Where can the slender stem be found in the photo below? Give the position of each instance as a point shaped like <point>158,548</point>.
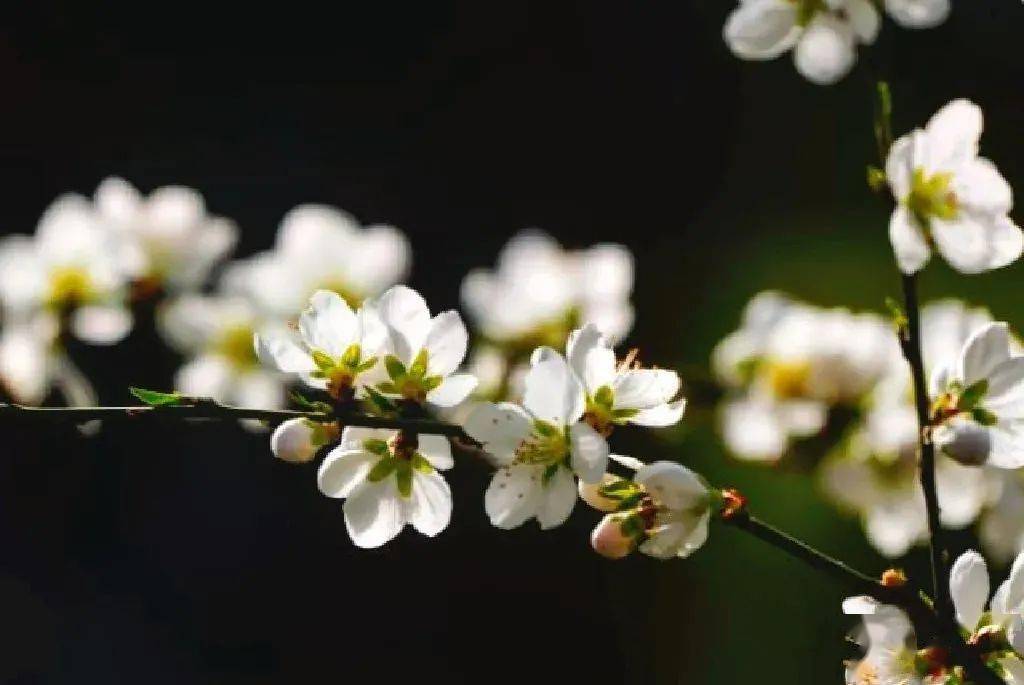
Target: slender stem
<point>202,408</point>
<point>910,342</point>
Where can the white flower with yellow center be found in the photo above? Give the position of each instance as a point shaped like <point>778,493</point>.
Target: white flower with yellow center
<point>69,267</point>
<point>322,248</point>
<point>889,643</point>
<point>540,447</point>
<point>388,482</point>
<point>620,393</point>
<point>949,197</point>
<point>663,511</point>
<point>165,239</point>
<point>979,401</point>
<point>336,350</point>
<point>823,34</point>
<point>540,291</point>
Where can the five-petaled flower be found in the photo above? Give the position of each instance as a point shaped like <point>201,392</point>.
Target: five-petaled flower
<point>949,198</point>
<point>539,447</point>
<point>388,480</point>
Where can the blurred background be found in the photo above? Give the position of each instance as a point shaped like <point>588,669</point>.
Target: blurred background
<point>166,554</point>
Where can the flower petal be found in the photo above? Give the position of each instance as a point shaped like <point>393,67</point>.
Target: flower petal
<point>980,187</point>
<point>453,390</point>
<point>761,29</point>
<point>501,428</point>
<point>588,452</point>
<point>374,513</point>
<point>446,343</point>
<point>825,52</point>
<point>101,324</point>
<point>987,348</point>
<point>553,392</point>
<point>590,357</point>
<point>514,495</point>
<point>328,323</point>
<point>918,14</point>
<point>558,498</point>
<point>953,134</point>
<point>429,507</point>
<point>908,241</point>
<point>405,313</point>
<point>437,450</point>
<point>968,586</point>
<point>282,351</point>
<point>343,470</point>
<point>645,388</point>
<point>673,485</point>
<point>667,414</point>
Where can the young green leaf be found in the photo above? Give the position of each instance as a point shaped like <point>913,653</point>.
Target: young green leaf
<point>155,398</point>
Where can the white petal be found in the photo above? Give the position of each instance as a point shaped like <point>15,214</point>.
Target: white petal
<point>678,539</point>
<point>437,450</point>
<point>645,388</point>
<point>117,200</point>
<point>987,348</point>
<point>328,323</point>
<point>900,164</point>
<point>606,272</point>
<point>918,14</point>
<point>407,318</point>
<point>908,241</point>
<point>980,187</point>
<point>453,390</point>
<point>355,437</point>
<point>975,242</point>
<point>429,507</point>
<point>968,586</point>
<point>673,485</point>
<point>206,376</point>
<point>590,357</point>
<point>1001,446</point>
<point>864,19</point>
<point>446,343</point>
<point>667,414</point>
<point>292,441</point>
<point>258,389</point>
<point>825,51</point>
<point>514,495</point>
<point>307,229</point>
<point>1005,394</point>
<point>24,364</point>
<point>588,452</point>
<point>629,462</point>
<point>553,392</point>
<point>381,259</point>
<point>1009,598</point>
<point>761,29</point>
<point>953,134</point>
<point>752,430</point>
<point>101,325</point>
<point>501,428</point>
<point>374,513</point>
<point>281,351</point>
<point>558,498</point>
<point>1014,667</point>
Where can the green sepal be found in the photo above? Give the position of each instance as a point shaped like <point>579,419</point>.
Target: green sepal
<point>629,501</point>
<point>431,382</point>
<point>896,313</point>
<point>623,414</point>
<point>323,361</point>
<point>376,446</point>
<point>549,473</point>
<point>382,469</point>
<point>403,474</point>
<point>351,356</point>
<point>388,387</point>
<point>310,405</point>
<point>972,395</point>
<point>379,401</point>
<point>367,365</point>
<point>876,178</point>
<point>544,429</point>
<point>984,416</point>
<point>419,364</point>
<point>604,397</point>
<point>395,367</point>
<point>617,489</point>
<point>632,526</point>
<point>420,463</point>
<point>155,398</point>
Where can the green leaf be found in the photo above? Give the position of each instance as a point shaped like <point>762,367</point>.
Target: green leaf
<point>323,361</point>
<point>310,405</point>
<point>970,397</point>
<point>382,403</point>
<point>984,416</point>
<point>382,469</point>
<point>420,463</point>
<point>419,364</point>
<point>404,476</point>
<point>376,445</point>
<point>395,367</point>
<point>155,398</point>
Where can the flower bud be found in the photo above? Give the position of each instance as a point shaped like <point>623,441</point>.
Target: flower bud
<point>609,541</point>
<point>295,441</point>
<point>894,577</point>
<point>591,493</point>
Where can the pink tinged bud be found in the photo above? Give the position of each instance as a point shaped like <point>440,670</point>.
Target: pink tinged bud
<point>294,441</point>
<point>591,494</point>
<point>609,540</point>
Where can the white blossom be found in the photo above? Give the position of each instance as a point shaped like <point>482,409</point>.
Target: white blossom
<point>539,292</point>
<point>70,268</point>
<point>823,34</point>
<point>297,440</point>
<point>166,238</point>
<point>949,197</point>
<point>336,349</point>
<point>888,640</point>
<point>1001,528</point>
<point>540,447</point>
<point>322,248</point>
<point>619,393</point>
<point>979,401</point>
<point>387,483</point>
<point>918,14</point>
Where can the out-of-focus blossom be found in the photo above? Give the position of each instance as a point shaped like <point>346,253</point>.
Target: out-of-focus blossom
<point>918,14</point>
<point>949,197</point>
<point>979,401</point>
<point>823,34</point>
<point>69,267</point>
<point>663,511</point>
<point>322,248</point>
<point>388,483</point>
<point>539,292</point>
<point>1001,528</point>
<point>619,393</point>
<point>216,333</point>
<point>539,447</point>
<point>335,350</point>
<point>165,239</point>
<point>788,364</point>
<point>887,638</point>
<point>297,440</point>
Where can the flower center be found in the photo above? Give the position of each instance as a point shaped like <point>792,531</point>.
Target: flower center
<point>69,285</point>
<point>806,9</point>
<point>789,380</point>
<point>931,196</point>
<point>957,400</point>
<point>547,444</point>
<point>235,345</point>
<point>341,372</point>
<point>340,287</point>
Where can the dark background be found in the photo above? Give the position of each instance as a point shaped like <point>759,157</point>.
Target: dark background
<point>168,554</point>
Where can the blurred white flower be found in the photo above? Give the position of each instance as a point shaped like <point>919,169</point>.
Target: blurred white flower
<point>322,248</point>
<point>69,267</point>
<point>788,364</point>
<point>539,292</point>
<point>216,332</point>
<point>166,239</point>
<point>663,511</point>
<point>887,638</point>
<point>539,447</point>
<point>388,484</point>
<point>297,440</point>
<point>979,401</point>
<point>918,14</point>
<point>1001,529</point>
<point>822,33</point>
<point>949,197</point>
<point>618,393</point>
<point>422,354</point>
<point>336,349</point>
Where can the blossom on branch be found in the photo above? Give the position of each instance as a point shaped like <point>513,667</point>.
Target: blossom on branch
<point>887,637</point>
<point>949,198</point>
